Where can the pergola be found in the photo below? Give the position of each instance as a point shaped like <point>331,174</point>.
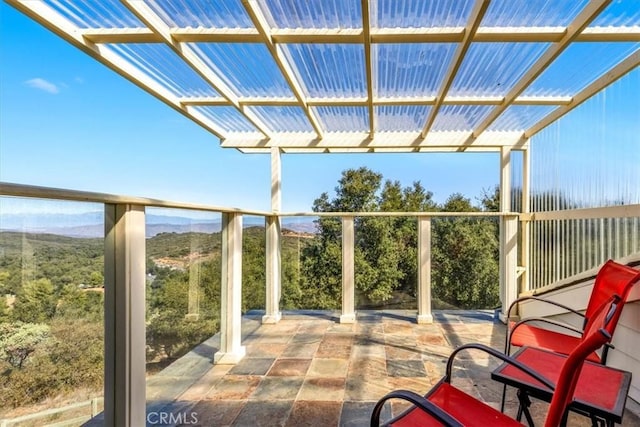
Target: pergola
<point>325,76</point>
<point>359,75</point>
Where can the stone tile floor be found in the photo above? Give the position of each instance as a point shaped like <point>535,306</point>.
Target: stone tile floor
<point>310,370</point>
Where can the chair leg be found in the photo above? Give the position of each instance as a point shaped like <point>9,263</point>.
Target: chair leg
<point>504,397</point>
<point>523,407</point>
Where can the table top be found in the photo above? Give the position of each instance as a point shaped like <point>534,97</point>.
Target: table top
<point>601,390</point>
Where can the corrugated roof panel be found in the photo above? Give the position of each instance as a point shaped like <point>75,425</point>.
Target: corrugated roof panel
<point>577,66</point>
<point>198,13</point>
<point>410,69</point>
<point>460,117</point>
<point>491,69</point>
<point>343,119</point>
<point>401,117</point>
<point>419,14</point>
<point>163,65</point>
<point>248,68</point>
<point>313,13</point>
<point>620,13</point>
<point>228,118</point>
<point>283,119</point>
<point>520,117</point>
<point>532,13</point>
<point>329,70</point>
<point>96,14</point>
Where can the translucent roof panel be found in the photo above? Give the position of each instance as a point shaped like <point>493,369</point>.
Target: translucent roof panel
<point>419,14</point>
<point>162,63</point>
<point>343,119</point>
<point>532,13</point>
<point>228,118</point>
<point>577,66</point>
<point>414,69</point>
<point>248,68</point>
<point>313,13</point>
<point>519,117</point>
<point>401,117</point>
<point>491,69</point>
<point>96,14</point>
<point>283,119</point>
<point>620,13</point>
<point>329,70</point>
<point>460,117</point>
<point>198,13</point>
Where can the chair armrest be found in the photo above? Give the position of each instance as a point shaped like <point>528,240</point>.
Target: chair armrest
<point>420,402</point>
<point>532,297</point>
<point>507,359</point>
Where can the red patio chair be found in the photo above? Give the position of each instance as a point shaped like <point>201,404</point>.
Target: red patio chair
<point>446,405</point>
<point>612,279</point>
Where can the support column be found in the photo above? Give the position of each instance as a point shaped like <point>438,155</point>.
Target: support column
<point>348,275</point>
<point>525,225</point>
<point>272,307</point>
<point>424,271</point>
<point>231,293</point>
<point>124,318</point>
<point>273,243</point>
<point>508,237</point>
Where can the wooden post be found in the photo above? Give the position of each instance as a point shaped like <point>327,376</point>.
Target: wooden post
<point>124,319</point>
<point>231,351</point>
<point>424,270</point>
<point>348,276</point>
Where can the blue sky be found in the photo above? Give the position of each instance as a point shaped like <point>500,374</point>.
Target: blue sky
<point>67,121</point>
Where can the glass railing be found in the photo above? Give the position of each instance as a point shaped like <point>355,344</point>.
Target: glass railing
<point>51,311</point>
<point>52,276</point>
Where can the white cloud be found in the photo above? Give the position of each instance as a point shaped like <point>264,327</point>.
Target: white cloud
<point>42,84</point>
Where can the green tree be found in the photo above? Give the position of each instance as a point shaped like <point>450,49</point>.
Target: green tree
<point>36,302</point>
<point>384,253</point>
<point>18,340</point>
<point>465,263</point>
<point>80,304</point>
<point>4,309</point>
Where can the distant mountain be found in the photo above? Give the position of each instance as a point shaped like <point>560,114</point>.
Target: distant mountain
<point>91,224</point>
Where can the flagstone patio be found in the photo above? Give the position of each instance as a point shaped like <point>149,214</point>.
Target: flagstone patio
<point>310,370</point>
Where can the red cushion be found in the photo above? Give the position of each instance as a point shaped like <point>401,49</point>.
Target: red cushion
<point>461,406</point>
<point>544,338</point>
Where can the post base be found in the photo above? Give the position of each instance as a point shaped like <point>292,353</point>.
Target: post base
<point>229,358</point>
<point>424,319</point>
<point>348,318</point>
<point>270,319</point>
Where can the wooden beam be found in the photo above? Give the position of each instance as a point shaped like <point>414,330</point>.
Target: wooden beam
<point>381,140</point>
<point>366,30</point>
<point>356,35</point>
<point>475,18</point>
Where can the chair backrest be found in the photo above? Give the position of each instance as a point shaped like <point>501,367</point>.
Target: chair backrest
<point>612,279</point>
<point>595,336</point>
